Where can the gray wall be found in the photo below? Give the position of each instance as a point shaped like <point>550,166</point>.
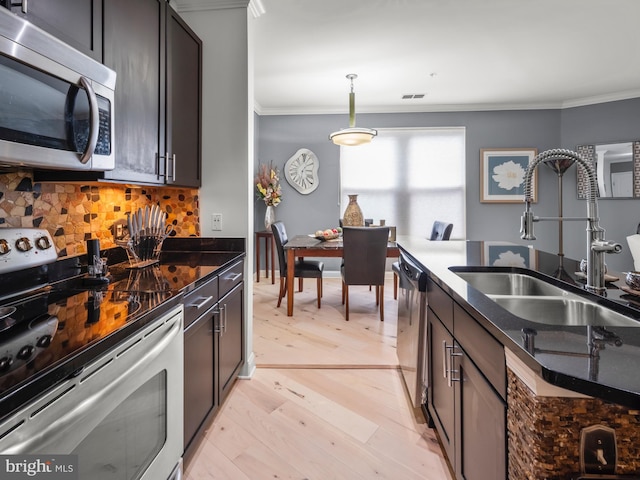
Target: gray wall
<point>602,123</point>
<point>279,137</point>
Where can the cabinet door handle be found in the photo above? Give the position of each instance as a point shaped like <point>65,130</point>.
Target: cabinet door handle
<point>445,360</point>
<point>203,302</point>
<point>217,320</point>
<point>170,167</point>
<point>222,326</point>
<point>22,5</point>
<point>451,370</point>
<point>173,168</point>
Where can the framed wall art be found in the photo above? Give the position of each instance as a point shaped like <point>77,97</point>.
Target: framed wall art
<point>502,174</point>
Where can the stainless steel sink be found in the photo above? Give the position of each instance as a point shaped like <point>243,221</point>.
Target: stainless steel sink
<point>536,300</point>
<point>508,283</point>
<point>563,311</point>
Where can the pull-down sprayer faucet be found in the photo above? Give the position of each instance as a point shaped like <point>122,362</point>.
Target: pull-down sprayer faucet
<point>596,244</point>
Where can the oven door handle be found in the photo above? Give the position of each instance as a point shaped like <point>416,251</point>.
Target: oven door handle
<point>80,420</point>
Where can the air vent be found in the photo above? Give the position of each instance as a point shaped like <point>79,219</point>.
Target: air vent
<point>412,96</point>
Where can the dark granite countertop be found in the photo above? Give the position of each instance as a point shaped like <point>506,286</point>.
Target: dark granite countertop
<point>186,262</point>
<point>611,377</point>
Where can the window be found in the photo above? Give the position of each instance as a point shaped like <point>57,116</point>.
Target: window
<point>409,178</point>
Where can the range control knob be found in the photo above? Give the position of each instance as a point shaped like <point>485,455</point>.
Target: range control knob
<point>25,352</point>
<point>5,363</point>
<point>23,244</point>
<point>44,341</point>
<point>43,243</point>
<point>4,247</point>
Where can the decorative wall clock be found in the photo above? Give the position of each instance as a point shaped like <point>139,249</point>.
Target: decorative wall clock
<point>301,171</point>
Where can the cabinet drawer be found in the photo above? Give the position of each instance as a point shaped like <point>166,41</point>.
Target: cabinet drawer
<point>484,350</point>
<point>200,300</point>
<point>441,303</point>
<point>231,277</point>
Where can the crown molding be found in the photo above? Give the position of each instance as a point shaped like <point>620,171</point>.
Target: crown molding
<point>408,109</point>
<point>202,5</point>
<point>609,97</point>
<point>561,105</point>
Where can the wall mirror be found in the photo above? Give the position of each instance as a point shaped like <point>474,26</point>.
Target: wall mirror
<point>617,167</point>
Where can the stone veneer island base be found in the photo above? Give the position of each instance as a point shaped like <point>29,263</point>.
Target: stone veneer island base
<point>544,432</point>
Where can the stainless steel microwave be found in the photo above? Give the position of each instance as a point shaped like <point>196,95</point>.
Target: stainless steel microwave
<point>56,104</point>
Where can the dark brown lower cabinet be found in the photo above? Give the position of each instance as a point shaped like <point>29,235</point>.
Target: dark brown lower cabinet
<point>439,393</point>
<point>199,378</point>
<point>482,430</point>
<point>230,355</point>
<point>467,391</point>
<point>213,350</point>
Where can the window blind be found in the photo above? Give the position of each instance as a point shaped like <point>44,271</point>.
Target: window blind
<point>409,178</point>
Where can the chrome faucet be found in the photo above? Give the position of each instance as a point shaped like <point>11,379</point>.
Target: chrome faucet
<point>597,246</point>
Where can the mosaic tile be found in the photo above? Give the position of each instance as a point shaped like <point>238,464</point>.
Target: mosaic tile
<point>73,213</point>
<point>544,433</point>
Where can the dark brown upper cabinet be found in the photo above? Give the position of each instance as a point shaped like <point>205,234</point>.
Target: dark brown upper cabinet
<point>158,60</point>
<point>75,22</point>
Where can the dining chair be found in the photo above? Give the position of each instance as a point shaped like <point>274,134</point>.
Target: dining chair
<point>440,231</point>
<point>302,268</point>
<point>364,261</point>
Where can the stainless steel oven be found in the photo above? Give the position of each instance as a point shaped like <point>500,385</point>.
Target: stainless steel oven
<point>121,414</point>
<point>56,104</point>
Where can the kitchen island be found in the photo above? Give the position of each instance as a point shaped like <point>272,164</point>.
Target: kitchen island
<point>556,389</point>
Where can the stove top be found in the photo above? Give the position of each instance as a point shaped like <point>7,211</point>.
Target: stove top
<point>56,323</point>
<point>55,318</point>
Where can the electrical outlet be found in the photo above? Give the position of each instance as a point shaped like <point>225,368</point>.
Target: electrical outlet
<point>216,222</point>
<point>598,450</point>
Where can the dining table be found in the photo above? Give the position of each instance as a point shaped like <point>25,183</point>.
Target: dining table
<point>302,246</point>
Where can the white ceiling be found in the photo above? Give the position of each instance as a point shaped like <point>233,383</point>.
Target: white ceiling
<point>462,54</point>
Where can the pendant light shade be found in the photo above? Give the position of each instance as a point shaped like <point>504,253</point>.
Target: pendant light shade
<point>352,136</point>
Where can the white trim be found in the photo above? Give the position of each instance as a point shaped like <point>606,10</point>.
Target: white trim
<point>324,110</point>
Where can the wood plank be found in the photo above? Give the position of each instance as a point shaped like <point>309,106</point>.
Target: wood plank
<point>326,402</point>
<point>286,444</point>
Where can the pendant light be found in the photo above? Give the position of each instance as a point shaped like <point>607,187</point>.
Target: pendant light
<point>352,136</point>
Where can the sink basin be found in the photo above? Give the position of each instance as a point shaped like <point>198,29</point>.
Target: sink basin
<point>509,283</point>
<point>536,300</point>
<point>563,311</point>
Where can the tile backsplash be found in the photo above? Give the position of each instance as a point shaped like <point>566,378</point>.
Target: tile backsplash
<point>74,212</point>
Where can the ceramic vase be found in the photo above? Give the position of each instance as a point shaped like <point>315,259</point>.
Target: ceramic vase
<point>353,214</point>
<point>269,217</point>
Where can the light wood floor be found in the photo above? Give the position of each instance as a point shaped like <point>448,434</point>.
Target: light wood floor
<point>326,401</point>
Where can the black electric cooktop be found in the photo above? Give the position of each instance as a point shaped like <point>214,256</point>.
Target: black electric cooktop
<point>55,323</point>
<point>50,332</point>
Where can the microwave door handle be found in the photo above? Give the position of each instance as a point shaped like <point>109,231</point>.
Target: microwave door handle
<point>94,119</point>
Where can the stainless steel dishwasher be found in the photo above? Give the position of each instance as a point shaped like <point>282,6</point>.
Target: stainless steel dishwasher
<point>412,331</point>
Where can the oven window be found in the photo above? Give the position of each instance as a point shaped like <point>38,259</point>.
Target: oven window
<point>129,438</point>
